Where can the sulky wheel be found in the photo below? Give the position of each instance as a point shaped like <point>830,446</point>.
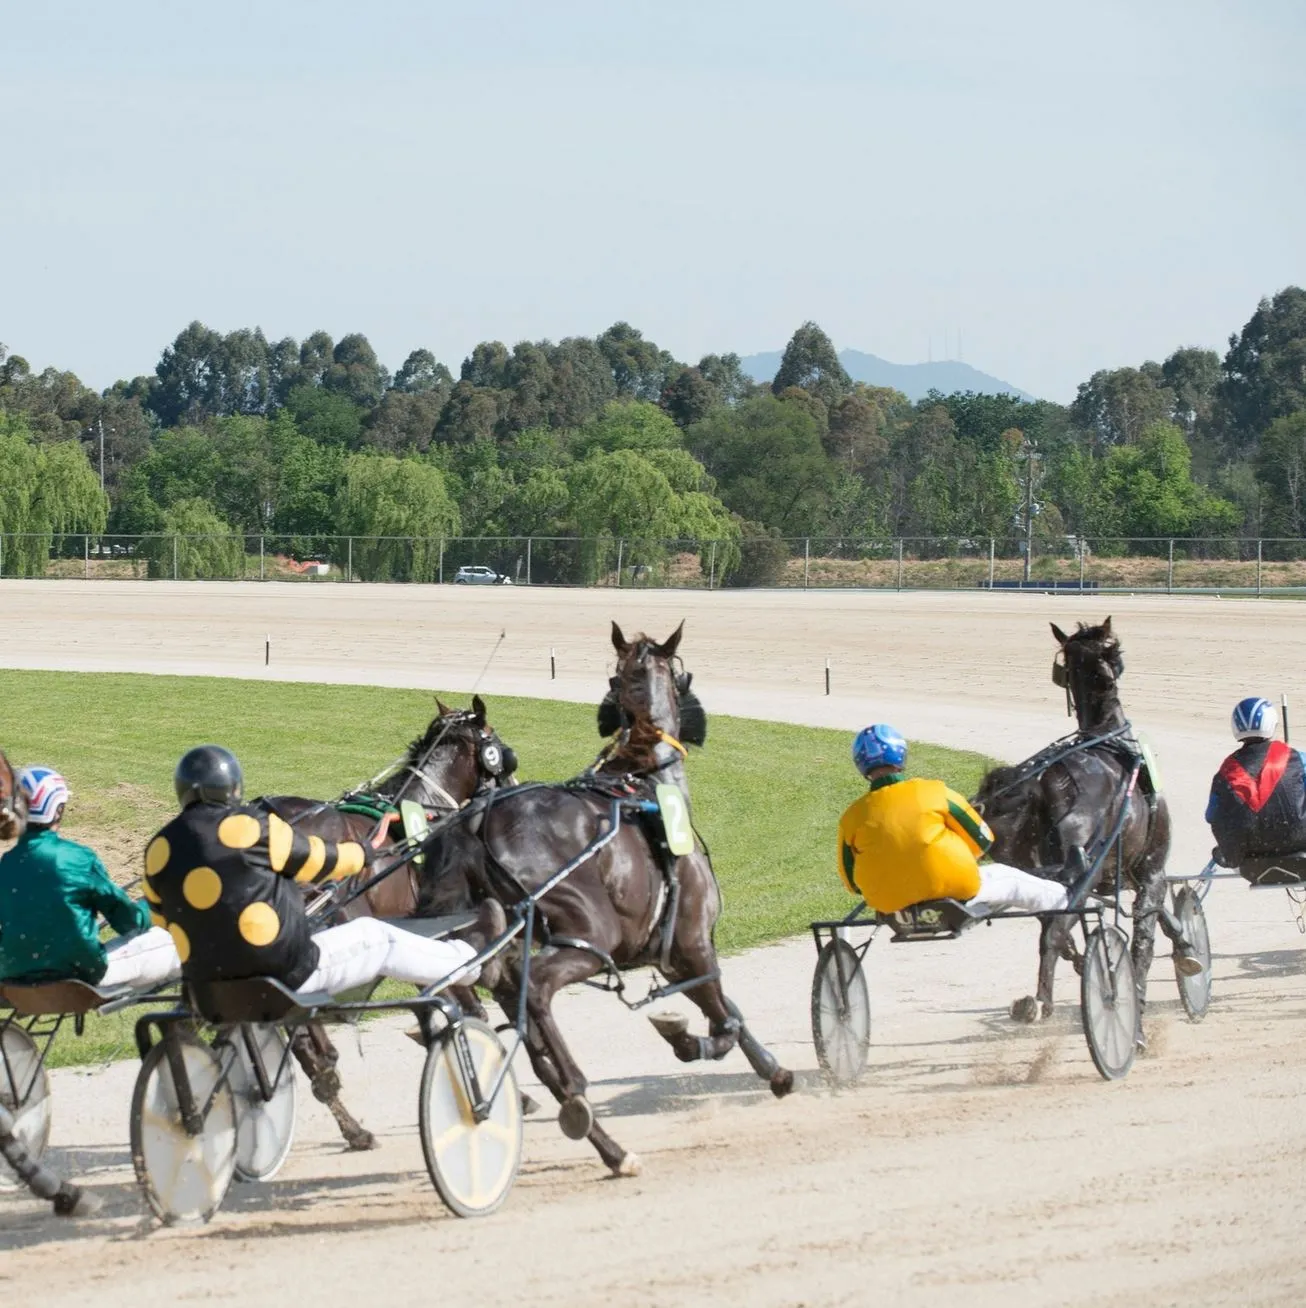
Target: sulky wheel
<point>473,1164</point>
<point>1194,991</point>
<point>184,1177</point>
<point>265,1128</point>
<point>841,1013</point>
<point>25,1092</point>
<point>1109,1001</point>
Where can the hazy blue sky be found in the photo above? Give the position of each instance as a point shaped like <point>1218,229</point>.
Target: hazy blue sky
<point>1073,186</point>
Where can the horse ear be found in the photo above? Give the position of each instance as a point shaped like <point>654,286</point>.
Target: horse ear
<point>1059,634</point>
<point>478,707</point>
<point>1106,628</point>
<point>668,647</point>
<point>619,642</point>
<point>442,708</point>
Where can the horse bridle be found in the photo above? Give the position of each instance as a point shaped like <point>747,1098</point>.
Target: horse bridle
<point>494,760</point>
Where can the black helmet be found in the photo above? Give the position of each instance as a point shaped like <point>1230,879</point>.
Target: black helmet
<point>209,773</point>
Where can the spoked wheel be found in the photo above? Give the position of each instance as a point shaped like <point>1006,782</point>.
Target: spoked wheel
<point>841,1013</point>
<point>265,1128</point>
<point>1194,991</point>
<point>25,1092</point>
<point>1109,999</point>
<point>184,1177</point>
<point>473,1164</point>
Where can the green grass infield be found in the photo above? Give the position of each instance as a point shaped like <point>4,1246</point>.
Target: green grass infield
<point>767,796</point>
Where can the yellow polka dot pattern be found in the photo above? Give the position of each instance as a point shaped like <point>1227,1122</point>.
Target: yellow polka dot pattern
<point>239,831</point>
<point>158,920</point>
<point>280,839</point>
<point>180,940</point>
<point>149,892</point>
<point>157,854</point>
<point>202,887</point>
<point>259,924</point>
<point>315,861</point>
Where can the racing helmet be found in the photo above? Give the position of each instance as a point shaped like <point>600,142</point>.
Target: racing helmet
<point>46,793</point>
<point>1254,718</point>
<point>207,774</point>
<point>879,746</point>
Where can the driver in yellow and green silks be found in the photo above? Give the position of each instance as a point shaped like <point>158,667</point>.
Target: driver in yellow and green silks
<point>905,842</point>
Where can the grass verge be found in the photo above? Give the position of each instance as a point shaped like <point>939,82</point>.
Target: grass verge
<point>767,796</point>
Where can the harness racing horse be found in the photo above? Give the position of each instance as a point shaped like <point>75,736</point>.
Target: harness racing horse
<point>632,903</point>
<point>13,803</point>
<point>458,756</point>
<point>1071,794</point>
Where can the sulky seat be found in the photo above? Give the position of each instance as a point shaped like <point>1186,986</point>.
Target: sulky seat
<point>259,999</point>
<point>1275,870</point>
<point>931,919</point>
<point>58,998</point>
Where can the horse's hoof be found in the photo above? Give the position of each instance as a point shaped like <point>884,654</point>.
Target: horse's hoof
<point>361,1141</point>
<point>630,1165</point>
<point>576,1118</point>
<point>529,1106</point>
<point>1028,1009</point>
<point>782,1082</point>
<point>1186,963</point>
<point>669,1025</point>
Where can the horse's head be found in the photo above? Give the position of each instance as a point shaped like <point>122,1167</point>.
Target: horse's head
<point>13,803</point>
<point>458,756</point>
<point>651,682</point>
<point>1089,666</point>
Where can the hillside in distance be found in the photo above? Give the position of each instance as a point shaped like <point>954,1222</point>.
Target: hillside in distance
<point>914,380</point>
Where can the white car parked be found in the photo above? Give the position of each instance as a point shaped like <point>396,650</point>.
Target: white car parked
<point>478,575</point>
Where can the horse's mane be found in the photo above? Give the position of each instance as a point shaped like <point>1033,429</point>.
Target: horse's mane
<point>435,729</point>
<point>637,750</point>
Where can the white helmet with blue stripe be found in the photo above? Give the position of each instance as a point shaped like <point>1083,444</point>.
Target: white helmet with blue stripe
<point>46,792</point>
<point>1254,718</point>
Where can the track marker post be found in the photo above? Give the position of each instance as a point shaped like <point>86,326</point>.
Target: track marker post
<point>267,650</point>
<point>827,676</point>
<point>553,664</point>
<point>1283,705</point>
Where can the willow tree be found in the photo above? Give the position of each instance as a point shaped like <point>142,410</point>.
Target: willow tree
<point>46,492</point>
<point>397,513</point>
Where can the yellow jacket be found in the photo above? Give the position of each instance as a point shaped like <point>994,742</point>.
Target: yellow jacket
<point>907,841</point>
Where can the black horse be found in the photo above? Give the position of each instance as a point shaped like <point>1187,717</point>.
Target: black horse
<point>13,803</point>
<point>1071,794</point>
<point>632,904</point>
<point>457,757</point>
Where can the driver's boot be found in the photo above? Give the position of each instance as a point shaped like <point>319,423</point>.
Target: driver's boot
<point>491,922</point>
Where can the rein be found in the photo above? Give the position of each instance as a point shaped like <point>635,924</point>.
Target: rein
<point>1036,764</point>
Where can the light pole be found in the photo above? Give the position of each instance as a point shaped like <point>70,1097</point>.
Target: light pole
<point>1030,452</point>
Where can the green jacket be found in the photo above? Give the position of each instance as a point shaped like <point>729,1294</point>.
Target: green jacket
<point>51,891</point>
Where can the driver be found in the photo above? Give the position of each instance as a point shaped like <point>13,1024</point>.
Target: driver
<point>1258,798</point>
<point>908,841</point>
<point>53,893</point>
<point>226,880</point>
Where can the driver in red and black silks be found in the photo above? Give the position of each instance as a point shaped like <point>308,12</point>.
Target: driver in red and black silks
<point>1257,805</point>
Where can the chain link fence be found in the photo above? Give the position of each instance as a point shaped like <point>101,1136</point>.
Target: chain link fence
<point>1249,566</point>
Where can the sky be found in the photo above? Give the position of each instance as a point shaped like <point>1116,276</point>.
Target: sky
<point>1060,188</point>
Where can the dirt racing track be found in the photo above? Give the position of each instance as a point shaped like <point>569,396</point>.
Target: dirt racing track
<point>976,1163</point>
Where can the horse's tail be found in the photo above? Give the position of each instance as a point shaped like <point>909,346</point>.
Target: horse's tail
<point>69,1200</point>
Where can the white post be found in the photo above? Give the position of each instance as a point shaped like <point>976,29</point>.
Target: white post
<point>174,556</point>
<point>1259,543</point>
<point>899,562</point>
<point>1169,576</point>
<point>1083,551</point>
<point>807,558</point>
<point>86,549</point>
<point>528,560</point>
<point>990,562</point>
<point>621,545</point>
<point>261,575</point>
<point>711,573</point>
<point>441,560</point>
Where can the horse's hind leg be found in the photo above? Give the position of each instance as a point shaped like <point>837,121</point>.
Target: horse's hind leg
<point>1053,940</point>
<point>1149,901</point>
<point>316,1054</point>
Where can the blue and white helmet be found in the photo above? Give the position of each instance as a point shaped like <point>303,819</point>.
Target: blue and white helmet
<point>1254,718</point>
<point>46,792</point>
<point>879,746</point>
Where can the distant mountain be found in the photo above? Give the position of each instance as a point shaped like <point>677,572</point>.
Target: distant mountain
<point>914,380</point>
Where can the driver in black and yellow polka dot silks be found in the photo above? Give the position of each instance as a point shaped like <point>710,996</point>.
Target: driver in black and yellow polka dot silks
<point>226,881</point>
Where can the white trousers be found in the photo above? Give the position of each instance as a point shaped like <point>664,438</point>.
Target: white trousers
<point>142,961</point>
<point>363,950</point>
<point>1003,887</point>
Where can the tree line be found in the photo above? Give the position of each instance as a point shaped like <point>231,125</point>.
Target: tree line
<point>611,437</point>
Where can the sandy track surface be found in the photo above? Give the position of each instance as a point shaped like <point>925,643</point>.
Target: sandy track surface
<point>977,1163</point>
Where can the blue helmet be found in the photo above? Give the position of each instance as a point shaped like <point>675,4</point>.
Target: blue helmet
<point>1254,718</point>
<point>879,746</point>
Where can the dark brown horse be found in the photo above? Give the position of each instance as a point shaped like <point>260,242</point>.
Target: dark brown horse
<point>631,904</point>
<point>458,756</point>
<point>13,803</point>
<point>1072,793</point>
